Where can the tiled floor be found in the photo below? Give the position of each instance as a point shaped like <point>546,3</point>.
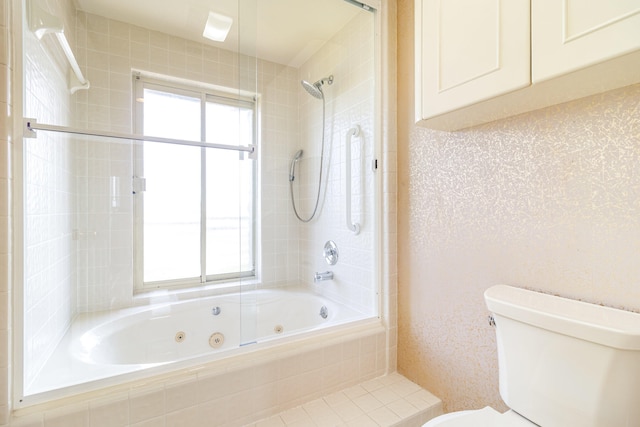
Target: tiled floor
<point>391,400</point>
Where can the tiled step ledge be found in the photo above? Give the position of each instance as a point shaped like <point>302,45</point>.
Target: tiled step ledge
<point>386,401</point>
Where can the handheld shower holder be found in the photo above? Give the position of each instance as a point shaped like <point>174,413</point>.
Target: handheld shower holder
<point>292,170</point>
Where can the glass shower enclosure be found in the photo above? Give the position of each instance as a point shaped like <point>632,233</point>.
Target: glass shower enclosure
<point>156,183</point>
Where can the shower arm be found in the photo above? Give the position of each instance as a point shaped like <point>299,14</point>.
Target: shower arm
<point>353,132</point>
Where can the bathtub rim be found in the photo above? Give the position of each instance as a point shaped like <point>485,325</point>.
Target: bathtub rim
<point>237,359</point>
<point>113,323</point>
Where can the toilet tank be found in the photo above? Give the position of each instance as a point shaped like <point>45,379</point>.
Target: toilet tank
<point>565,362</point>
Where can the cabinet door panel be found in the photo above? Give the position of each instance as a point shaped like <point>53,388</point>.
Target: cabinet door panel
<point>468,51</point>
<point>568,35</point>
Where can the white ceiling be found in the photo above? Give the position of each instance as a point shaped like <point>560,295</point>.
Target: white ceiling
<point>284,31</point>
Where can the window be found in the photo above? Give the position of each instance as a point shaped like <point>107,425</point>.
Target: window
<point>195,212</point>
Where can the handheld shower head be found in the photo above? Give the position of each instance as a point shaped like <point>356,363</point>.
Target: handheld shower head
<point>315,89</point>
<point>292,170</point>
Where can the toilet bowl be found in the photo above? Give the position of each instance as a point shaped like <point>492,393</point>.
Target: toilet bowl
<point>485,417</point>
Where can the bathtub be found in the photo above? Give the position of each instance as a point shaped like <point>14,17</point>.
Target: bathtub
<point>106,346</point>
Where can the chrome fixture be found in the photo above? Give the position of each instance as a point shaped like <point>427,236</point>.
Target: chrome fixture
<point>216,310</point>
<point>315,89</point>
<point>292,170</point>
<point>331,252</point>
<point>321,277</point>
<point>492,321</point>
<point>324,312</point>
<point>361,5</point>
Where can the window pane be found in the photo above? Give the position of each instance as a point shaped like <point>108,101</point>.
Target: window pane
<point>169,115</point>
<point>172,196</point>
<point>229,191</point>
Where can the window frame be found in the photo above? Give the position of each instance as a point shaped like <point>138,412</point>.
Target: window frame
<point>206,94</point>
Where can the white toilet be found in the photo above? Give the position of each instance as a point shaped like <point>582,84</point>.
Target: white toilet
<point>563,363</point>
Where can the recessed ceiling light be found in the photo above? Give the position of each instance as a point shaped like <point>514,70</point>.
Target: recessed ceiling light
<point>217,27</point>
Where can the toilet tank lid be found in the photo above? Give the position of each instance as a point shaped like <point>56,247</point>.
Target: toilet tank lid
<point>603,325</point>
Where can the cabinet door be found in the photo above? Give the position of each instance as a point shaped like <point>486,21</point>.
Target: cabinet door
<point>468,51</point>
<point>568,35</point>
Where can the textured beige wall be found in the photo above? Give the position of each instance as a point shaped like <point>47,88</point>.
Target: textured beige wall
<point>547,200</point>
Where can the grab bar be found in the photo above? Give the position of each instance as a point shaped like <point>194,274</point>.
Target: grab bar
<point>353,132</point>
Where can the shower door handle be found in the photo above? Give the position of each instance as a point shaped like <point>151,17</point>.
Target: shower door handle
<point>353,132</point>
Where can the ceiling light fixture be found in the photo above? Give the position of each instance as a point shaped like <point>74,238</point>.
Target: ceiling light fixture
<point>217,27</point>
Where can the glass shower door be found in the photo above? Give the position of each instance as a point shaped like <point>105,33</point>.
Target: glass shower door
<point>115,224</point>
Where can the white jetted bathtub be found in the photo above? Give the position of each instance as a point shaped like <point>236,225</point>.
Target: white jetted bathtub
<point>106,345</point>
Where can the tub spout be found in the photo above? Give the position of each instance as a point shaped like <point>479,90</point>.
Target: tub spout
<point>319,277</point>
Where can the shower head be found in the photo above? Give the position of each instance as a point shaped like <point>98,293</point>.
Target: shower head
<point>292,171</point>
<point>315,89</point>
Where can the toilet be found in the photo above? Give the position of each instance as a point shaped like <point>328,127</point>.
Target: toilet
<point>561,362</point>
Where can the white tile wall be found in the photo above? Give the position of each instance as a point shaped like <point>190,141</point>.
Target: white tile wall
<point>105,223</point>
<point>349,57</point>
<point>49,203</point>
<point>279,249</point>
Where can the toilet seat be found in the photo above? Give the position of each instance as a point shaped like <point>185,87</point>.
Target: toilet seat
<point>485,417</point>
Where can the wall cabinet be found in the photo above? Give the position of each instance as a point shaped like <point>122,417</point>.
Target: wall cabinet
<point>481,60</point>
<point>569,35</point>
<point>471,50</point>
